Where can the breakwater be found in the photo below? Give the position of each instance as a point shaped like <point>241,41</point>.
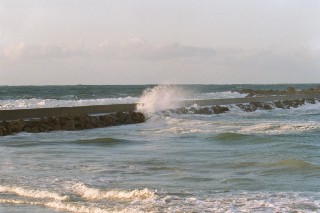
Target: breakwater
<point>69,122</point>
<point>227,101</point>
<point>63,111</point>
<point>87,117</point>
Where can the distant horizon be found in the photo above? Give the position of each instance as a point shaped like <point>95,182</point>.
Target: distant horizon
<point>41,85</point>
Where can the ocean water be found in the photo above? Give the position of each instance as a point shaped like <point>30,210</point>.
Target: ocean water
<point>262,161</point>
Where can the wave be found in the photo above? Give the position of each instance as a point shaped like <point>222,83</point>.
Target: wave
<point>280,128</point>
<point>83,198</point>
<point>294,164</point>
<point>104,141</point>
<point>231,136</point>
<point>73,207</point>
<point>216,95</point>
<point>113,194</point>
<point>80,198</point>
<point>101,141</point>
<point>25,192</point>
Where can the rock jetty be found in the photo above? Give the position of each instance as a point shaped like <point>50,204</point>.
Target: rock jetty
<point>69,122</point>
<point>288,91</point>
<point>248,107</point>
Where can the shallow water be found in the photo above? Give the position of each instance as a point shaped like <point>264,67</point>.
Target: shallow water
<point>262,161</point>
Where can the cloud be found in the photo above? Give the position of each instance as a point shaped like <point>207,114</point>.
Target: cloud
<point>107,62</point>
<point>21,51</point>
<point>137,48</point>
<point>132,49</point>
<point>14,51</point>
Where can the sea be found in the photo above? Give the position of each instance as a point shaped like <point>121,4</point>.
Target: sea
<point>261,161</point>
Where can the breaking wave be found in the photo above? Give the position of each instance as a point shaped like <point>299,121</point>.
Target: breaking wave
<point>280,128</point>
<point>114,194</point>
<point>93,200</point>
<point>25,192</point>
<point>160,98</point>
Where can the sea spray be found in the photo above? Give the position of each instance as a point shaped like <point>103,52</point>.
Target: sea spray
<point>160,98</point>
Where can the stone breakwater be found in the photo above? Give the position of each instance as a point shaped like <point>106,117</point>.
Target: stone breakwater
<point>69,122</point>
<point>248,107</point>
<point>288,91</point>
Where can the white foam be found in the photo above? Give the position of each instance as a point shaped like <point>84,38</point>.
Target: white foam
<point>217,95</point>
<point>32,193</point>
<point>221,202</point>
<point>160,98</point>
<point>280,128</point>
<point>115,194</point>
<point>72,207</point>
<point>245,202</point>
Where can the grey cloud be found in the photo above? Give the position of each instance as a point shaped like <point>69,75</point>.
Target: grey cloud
<point>134,49</point>
<point>138,49</point>
<point>22,51</point>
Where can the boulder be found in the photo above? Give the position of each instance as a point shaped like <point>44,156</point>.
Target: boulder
<point>108,120</point>
<point>279,104</point>
<point>311,100</point>
<point>67,123</point>
<point>15,126</point>
<point>2,131</point>
<point>137,117</point>
<point>203,111</point>
<point>246,107</point>
<point>122,117</point>
<point>180,111</point>
<point>54,123</point>
<point>219,109</point>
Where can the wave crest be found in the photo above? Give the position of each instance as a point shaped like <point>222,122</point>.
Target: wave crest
<point>98,194</point>
<point>25,192</point>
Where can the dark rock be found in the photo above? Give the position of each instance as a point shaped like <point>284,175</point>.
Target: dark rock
<point>181,111</point>
<point>246,107</point>
<point>267,106</point>
<point>288,91</point>
<point>279,104</point>
<point>203,111</point>
<point>297,103</point>
<point>311,101</point>
<point>31,129</point>
<point>122,117</point>
<point>94,121</point>
<point>137,117</point>
<point>108,120</point>
<point>15,126</point>
<point>67,123</point>
<point>291,90</point>
<point>256,105</point>
<point>54,123</point>
<point>2,131</point>
<point>80,121</point>
<point>44,125</point>
<point>5,129</point>
<point>219,109</point>
<point>32,126</point>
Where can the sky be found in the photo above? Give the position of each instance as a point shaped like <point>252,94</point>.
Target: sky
<point>67,42</point>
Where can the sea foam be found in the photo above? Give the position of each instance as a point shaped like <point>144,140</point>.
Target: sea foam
<point>98,194</point>
<point>160,98</point>
<point>25,192</point>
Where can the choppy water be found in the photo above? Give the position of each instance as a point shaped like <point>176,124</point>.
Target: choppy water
<point>262,161</point>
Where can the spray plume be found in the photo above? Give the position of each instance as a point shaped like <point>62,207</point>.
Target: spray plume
<point>160,98</point>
